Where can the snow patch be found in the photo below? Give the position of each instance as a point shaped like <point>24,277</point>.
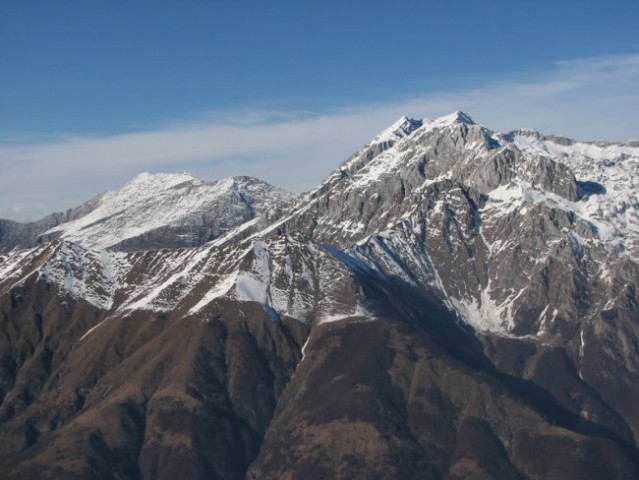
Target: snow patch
<point>253,285</point>
<point>221,288</point>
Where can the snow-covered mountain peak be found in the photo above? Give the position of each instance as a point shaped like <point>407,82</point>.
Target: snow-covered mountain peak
<point>456,118</point>
<point>158,181</point>
<point>452,118</point>
<point>401,128</point>
<point>471,195</point>
<point>170,210</point>
<point>405,126</point>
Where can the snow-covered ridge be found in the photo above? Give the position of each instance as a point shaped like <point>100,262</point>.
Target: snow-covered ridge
<point>384,153</point>
<point>608,174</point>
<point>405,126</point>
<point>181,205</point>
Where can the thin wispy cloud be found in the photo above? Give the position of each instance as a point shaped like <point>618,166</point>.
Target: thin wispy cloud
<point>592,98</point>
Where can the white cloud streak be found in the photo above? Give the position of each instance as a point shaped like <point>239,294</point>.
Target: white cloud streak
<point>594,98</point>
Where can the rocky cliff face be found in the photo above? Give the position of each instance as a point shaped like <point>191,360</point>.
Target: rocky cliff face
<point>452,302</point>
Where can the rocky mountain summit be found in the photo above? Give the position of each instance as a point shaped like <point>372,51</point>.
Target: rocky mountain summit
<point>451,302</point>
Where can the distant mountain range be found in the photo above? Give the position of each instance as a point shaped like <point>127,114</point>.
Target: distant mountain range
<point>450,303</point>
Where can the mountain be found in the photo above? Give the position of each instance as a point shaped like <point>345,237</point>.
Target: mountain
<point>451,302</point>
<point>157,211</point>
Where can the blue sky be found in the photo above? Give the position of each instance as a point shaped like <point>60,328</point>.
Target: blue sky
<point>92,93</point>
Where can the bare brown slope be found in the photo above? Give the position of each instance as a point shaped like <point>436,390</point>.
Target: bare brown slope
<point>381,401</point>
<point>139,397</point>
